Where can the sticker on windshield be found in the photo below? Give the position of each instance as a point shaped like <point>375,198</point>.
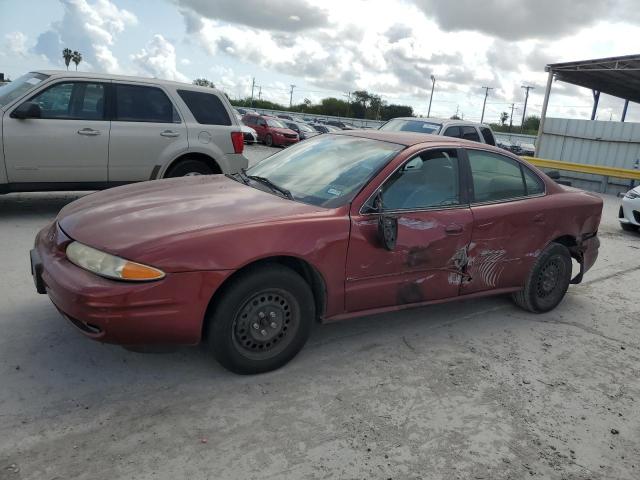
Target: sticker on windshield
<point>33,81</point>
<point>333,191</point>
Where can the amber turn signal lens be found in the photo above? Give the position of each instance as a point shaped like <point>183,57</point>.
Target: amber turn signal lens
<point>135,271</point>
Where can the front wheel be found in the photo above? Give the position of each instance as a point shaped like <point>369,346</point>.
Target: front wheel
<point>547,281</point>
<point>268,140</point>
<point>629,227</point>
<point>262,320</point>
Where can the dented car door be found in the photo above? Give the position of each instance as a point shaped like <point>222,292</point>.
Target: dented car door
<point>434,225</point>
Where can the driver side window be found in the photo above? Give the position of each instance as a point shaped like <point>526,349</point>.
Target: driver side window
<point>429,180</point>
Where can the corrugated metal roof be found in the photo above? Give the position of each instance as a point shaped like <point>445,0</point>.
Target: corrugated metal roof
<point>617,76</point>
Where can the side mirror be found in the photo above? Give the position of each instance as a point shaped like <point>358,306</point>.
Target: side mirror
<point>387,225</point>
<point>27,110</point>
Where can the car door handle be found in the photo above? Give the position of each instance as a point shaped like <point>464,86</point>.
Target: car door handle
<point>453,229</point>
<point>539,218</point>
<point>169,134</point>
<point>88,131</point>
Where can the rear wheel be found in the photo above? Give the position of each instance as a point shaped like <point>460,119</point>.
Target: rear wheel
<point>268,140</point>
<point>629,227</point>
<point>547,281</point>
<point>262,320</point>
<point>189,167</point>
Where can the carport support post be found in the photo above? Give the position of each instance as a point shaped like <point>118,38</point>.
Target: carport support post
<point>624,110</point>
<point>596,99</point>
<point>543,114</point>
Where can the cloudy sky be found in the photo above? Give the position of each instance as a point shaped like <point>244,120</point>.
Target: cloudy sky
<point>332,47</point>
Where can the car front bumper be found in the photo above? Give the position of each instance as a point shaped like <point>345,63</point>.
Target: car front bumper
<point>168,312</point>
<point>629,212</point>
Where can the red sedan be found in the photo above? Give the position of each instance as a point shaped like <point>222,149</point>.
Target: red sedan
<point>272,131</point>
<point>341,225</point>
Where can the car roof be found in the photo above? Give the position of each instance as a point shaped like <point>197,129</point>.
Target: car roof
<point>448,121</point>
<point>409,139</point>
<point>127,78</point>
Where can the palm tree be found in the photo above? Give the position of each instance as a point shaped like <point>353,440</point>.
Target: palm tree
<point>504,116</point>
<point>67,54</point>
<point>76,58</point>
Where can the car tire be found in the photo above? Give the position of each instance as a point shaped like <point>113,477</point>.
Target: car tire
<point>268,140</point>
<point>261,320</point>
<point>189,167</point>
<point>629,227</point>
<point>547,281</point>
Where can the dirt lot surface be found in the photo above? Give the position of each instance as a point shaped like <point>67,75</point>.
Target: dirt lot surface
<point>470,390</point>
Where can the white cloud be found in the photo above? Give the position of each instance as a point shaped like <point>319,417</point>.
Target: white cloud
<point>158,59</point>
<point>89,27</point>
<point>15,44</point>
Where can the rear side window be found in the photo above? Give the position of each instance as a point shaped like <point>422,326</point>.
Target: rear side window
<point>206,108</point>
<point>495,177</point>
<point>136,103</point>
<point>453,132</point>
<point>470,133</point>
<point>533,182</point>
<point>488,136</point>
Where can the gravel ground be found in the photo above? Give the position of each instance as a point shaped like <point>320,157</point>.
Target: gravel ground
<point>475,389</point>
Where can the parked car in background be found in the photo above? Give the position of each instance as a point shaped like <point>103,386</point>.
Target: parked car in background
<point>341,125</point>
<point>271,130</point>
<point>245,111</point>
<point>249,134</point>
<point>629,213</point>
<point>88,131</point>
<point>476,132</point>
<point>303,130</point>
<point>340,226</point>
<point>321,128</point>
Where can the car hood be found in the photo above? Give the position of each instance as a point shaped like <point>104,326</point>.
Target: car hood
<point>283,130</point>
<point>246,129</point>
<point>134,220</point>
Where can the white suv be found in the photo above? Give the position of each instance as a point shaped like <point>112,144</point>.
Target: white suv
<point>477,132</point>
<point>85,131</point>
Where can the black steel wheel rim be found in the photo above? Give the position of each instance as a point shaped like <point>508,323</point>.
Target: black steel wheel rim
<point>549,277</point>
<point>265,324</point>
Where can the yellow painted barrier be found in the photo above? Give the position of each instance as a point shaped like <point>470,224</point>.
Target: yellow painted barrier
<point>584,168</point>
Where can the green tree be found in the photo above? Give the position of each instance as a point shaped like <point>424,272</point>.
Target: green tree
<point>76,58</point>
<point>67,54</point>
<point>531,123</point>
<point>203,82</point>
<point>504,116</point>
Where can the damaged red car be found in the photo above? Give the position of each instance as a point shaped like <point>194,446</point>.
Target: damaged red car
<point>338,226</point>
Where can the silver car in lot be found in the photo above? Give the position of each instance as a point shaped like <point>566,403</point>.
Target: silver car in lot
<point>84,131</point>
<point>477,132</point>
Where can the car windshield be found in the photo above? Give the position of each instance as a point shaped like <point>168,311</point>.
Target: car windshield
<point>20,86</point>
<point>420,126</point>
<point>272,122</point>
<point>327,170</point>
<point>305,128</point>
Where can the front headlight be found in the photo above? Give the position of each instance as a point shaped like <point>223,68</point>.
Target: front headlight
<point>110,266</point>
<point>631,194</point>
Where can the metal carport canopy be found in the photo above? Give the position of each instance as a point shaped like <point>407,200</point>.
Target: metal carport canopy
<point>616,76</point>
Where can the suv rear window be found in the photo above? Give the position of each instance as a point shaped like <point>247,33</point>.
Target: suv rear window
<point>488,136</point>
<point>206,108</point>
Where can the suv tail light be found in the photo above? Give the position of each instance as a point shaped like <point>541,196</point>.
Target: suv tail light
<point>237,138</point>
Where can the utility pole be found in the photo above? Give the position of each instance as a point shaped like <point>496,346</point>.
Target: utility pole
<point>291,96</point>
<point>486,94</point>
<point>259,92</point>
<point>253,84</point>
<point>433,86</point>
<point>524,110</point>
<point>513,106</point>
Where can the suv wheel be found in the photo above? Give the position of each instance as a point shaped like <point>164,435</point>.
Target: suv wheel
<point>189,167</point>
